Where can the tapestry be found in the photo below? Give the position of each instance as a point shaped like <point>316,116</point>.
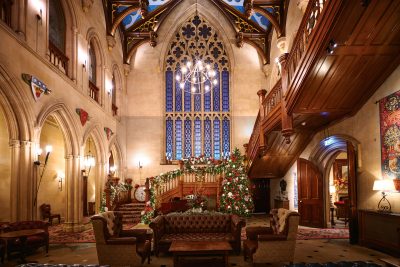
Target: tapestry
<point>389,109</point>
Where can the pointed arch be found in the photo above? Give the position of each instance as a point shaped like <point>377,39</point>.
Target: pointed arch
<point>67,123</point>
<point>116,150</point>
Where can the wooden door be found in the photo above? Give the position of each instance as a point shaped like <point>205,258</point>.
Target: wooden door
<point>261,195</point>
<point>310,194</point>
<point>353,216</point>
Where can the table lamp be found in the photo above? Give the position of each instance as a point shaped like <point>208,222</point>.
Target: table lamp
<point>384,186</point>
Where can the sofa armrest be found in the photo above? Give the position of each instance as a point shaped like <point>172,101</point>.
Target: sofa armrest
<point>140,234</point>
<point>157,224</point>
<point>121,241</point>
<point>271,237</point>
<point>237,224</point>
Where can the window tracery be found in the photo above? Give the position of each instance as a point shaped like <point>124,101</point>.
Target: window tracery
<point>195,123</point>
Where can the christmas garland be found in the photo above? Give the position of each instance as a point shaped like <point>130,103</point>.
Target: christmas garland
<point>235,196</point>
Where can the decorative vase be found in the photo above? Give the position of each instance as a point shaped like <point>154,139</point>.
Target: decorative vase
<point>397,184</point>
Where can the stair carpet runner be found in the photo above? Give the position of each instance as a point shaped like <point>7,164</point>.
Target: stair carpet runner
<point>131,212</point>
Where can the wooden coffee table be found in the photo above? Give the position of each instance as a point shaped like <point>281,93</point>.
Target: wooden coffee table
<point>200,248</point>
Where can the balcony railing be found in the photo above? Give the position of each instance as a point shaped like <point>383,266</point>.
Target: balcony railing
<point>58,58</point>
<point>94,92</point>
<point>114,110</point>
<point>274,98</point>
<point>302,39</point>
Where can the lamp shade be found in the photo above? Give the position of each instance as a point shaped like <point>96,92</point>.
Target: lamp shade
<point>383,185</point>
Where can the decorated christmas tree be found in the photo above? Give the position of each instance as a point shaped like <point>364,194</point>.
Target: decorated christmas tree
<point>236,196</point>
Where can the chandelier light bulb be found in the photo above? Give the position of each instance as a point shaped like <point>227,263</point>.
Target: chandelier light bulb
<point>178,78</point>
<point>189,64</point>
<point>213,73</point>
<point>39,151</point>
<point>215,82</point>
<point>184,70</point>
<point>201,67</point>
<point>49,148</point>
<point>182,85</point>
<point>207,88</point>
<point>193,89</point>
<point>208,66</point>
<point>194,79</point>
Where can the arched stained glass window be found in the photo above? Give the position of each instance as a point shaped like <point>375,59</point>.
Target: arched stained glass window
<point>197,123</point>
<point>92,64</point>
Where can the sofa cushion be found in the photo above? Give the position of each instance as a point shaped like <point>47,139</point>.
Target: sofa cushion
<point>167,238</point>
<point>198,223</point>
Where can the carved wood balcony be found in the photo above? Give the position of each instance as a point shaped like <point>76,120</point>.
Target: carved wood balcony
<point>342,53</point>
<point>94,92</point>
<point>58,58</point>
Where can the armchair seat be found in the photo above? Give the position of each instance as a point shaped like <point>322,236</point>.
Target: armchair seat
<point>276,243</point>
<point>117,247</point>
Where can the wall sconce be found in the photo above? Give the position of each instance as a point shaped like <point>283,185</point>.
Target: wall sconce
<point>60,177</point>
<point>384,186</point>
<point>84,65</point>
<point>37,162</point>
<point>109,87</point>
<point>39,16</point>
<point>112,170</point>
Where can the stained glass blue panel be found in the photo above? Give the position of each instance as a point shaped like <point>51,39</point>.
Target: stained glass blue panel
<point>216,92</point>
<point>168,136</point>
<point>226,135</point>
<point>178,94</point>
<point>169,85</point>
<point>178,139</point>
<point>225,90</point>
<point>217,139</point>
<point>188,138</point>
<point>197,102</point>
<point>207,138</point>
<point>207,98</point>
<point>188,98</point>
<point>197,137</point>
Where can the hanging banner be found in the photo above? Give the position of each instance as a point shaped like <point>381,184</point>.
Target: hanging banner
<point>38,87</point>
<point>84,116</point>
<point>389,111</point>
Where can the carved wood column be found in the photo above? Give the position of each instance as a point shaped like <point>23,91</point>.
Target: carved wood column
<point>287,119</point>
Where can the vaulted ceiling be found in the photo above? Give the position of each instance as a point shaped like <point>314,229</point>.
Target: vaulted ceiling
<point>139,20</point>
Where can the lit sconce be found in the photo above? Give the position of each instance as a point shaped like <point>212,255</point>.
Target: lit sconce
<point>112,170</point>
<point>37,162</point>
<point>384,186</point>
<point>84,65</point>
<point>60,177</point>
<point>39,16</point>
<point>109,86</point>
<point>331,47</point>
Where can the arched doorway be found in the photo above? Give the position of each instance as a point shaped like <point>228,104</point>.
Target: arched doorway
<point>51,168</point>
<point>5,170</point>
<point>324,156</point>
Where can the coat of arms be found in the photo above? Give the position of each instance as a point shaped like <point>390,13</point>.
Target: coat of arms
<point>37,86</point>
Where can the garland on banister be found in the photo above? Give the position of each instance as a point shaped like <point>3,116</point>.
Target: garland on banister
<point>236,196</point>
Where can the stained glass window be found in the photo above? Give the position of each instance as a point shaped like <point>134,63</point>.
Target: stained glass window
<point>178,138</point>
<point>188,138</point>
<point>217,139</point>
<point>169,85</point>
<point>57,26</point>
<point>205,128</point>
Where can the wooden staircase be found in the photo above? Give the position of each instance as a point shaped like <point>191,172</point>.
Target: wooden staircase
<point>131,212</point>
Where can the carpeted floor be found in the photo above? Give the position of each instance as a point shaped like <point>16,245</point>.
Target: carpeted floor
<point>58,236</point>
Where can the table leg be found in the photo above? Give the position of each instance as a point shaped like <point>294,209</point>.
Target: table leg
<point>176,260</point>
<point>226,259</point>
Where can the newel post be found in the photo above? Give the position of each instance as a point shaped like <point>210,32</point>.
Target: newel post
<point>287,119</point>
<point>128,181</point>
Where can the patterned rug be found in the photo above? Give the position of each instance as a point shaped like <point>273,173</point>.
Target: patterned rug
<point>58,236</point>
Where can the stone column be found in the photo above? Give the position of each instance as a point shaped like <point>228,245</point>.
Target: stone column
<point>25,184</point>
<point>15,152</point>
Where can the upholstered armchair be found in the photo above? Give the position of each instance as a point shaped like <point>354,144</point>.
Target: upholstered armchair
<point>118,247</point>
<point>276,243</point>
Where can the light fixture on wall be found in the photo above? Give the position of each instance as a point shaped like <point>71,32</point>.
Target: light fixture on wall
<point>384,186</point>
<point>37,163</point>
<point>60,177</point>
<point>198,74</point>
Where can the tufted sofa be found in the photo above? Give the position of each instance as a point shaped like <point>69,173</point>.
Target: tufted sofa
<point>32,242</point>
<point>196,227</point>
<point>115,246</point>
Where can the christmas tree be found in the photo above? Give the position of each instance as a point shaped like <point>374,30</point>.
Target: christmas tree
<point>236,196</point>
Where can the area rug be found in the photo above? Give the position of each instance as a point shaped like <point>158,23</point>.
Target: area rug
<point>304,233</point>
<point>58,236</point>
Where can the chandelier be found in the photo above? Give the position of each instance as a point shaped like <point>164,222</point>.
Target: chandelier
<point>197,73</point>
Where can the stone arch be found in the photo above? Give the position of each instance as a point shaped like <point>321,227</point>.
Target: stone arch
<point>119,86</point>
<point>93,39</point>
<point>67,125</point>
<point>18,114</point>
